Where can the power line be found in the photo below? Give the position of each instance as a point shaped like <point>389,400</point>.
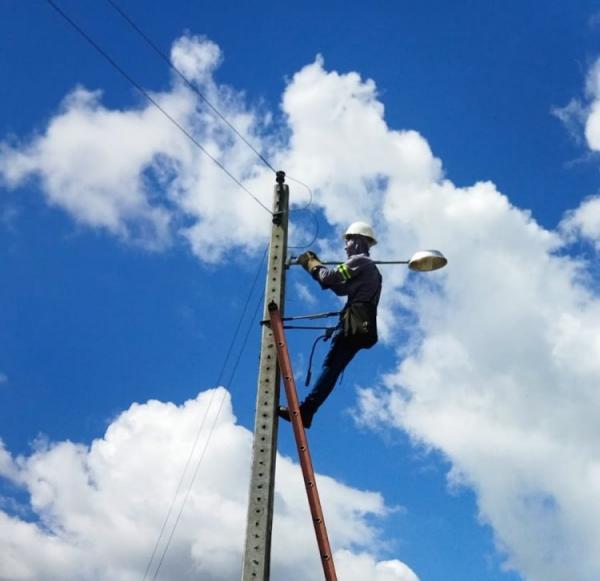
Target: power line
<point>199,432</point>
<point>206,444</point>
<point>129,78</point>
<point>165,58</point>
<point>216,111</point>
<point>100,50</point>
<point>246,337</point>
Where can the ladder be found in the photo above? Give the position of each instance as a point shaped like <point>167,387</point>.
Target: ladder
<point>308,472</point>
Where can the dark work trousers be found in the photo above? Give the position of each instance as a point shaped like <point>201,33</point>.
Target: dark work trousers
<point>341,352</point>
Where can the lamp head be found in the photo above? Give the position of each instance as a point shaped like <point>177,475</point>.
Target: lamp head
<point>426,260</point>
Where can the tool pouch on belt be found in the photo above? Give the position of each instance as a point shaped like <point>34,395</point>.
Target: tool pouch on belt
<point>360,323</point>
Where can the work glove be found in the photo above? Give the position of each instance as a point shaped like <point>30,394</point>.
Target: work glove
<point>309,261</point>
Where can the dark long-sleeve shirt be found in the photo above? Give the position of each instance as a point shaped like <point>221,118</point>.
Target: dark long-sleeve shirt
<point>358,278</point>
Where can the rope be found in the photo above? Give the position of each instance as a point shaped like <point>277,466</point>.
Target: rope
<point>306,208</point>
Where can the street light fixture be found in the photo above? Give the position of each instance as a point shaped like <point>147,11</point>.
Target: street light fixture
<point>426,260</point>
<point>421,261</point>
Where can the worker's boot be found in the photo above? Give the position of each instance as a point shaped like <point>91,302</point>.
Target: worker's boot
<point>284,413</point>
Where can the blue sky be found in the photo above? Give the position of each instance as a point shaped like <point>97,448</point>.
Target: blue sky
<point>126,258</point>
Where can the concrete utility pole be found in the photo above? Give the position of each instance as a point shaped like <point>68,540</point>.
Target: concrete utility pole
<point>257,552</point>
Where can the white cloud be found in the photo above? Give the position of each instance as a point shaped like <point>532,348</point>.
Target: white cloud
<point>351,567</point>
<point>582,116</point>
<point>134,174</point>
<point>90,162</point>
<point>573,115</point>
<point>340,115</point>
<point>3,377</point>
<point>101,507</point>
<point>196,57</point>
<point>584,222</point>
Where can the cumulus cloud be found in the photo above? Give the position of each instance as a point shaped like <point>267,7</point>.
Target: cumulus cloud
<point>582,116</point>
<point>351,567</point>
<point>573,115</point>
<point>91,160</point>
<point>498,355</point>
<point>99,508</point>
<point>196,57</point>
<point>134,174</point>
<point>584,119</point>
<point>584,222</point>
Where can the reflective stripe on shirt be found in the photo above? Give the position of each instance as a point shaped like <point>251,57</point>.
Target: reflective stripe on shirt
<point>343,270</point>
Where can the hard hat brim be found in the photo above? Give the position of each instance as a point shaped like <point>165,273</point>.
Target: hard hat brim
<point>371,240</point>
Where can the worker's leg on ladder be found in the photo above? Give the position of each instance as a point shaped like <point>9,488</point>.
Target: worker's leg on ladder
<point>340,354</point>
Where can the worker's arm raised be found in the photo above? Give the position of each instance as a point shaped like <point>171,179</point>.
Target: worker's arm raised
<point>335,279</point>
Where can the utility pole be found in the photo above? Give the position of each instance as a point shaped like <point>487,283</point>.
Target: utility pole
<point>257,551</point>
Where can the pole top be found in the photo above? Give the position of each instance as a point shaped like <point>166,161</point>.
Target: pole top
<point>280,177</point>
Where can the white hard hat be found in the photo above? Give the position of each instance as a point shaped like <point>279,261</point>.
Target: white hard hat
<point>361,229</point>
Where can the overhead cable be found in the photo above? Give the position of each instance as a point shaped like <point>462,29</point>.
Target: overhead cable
<point>251,326</point>
<point>152,100</point>
<point>199,433</point>
<point>193,87</point>
<point>207,442</point>
<point>215,110</point>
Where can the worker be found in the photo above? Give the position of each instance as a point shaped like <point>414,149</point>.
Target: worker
<point>360,280</point>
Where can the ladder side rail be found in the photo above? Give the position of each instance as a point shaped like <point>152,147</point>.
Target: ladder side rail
<point>308,472</point>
